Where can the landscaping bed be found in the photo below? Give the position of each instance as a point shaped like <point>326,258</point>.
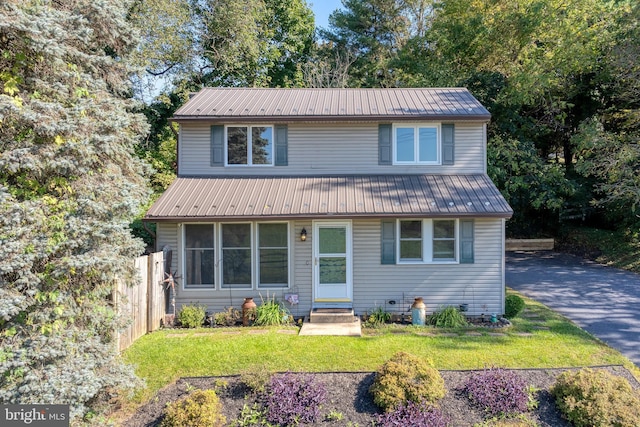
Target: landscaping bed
<point>349,399</point>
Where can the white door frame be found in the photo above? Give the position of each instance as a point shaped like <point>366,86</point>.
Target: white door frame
<point>333,294</point>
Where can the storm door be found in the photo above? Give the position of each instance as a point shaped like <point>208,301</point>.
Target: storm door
<point>332,262</point>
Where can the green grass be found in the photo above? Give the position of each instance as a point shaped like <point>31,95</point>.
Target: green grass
<point>619,248</point>
<point>164,356</point>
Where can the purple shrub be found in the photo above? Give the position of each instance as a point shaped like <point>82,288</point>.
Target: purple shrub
<point>414,415</point>
<point>289,399</point>
<point>498,392</point>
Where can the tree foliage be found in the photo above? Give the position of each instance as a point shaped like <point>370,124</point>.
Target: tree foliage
<point>372,32</point>
<point>547,70</point>
<point>256,43</point>
<point>69,185</point>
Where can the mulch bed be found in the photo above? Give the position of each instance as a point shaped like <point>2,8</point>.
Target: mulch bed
<point>347,394</point>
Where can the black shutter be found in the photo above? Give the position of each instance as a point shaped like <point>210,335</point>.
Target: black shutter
<point>466,241</point>
<point>217,145</point>
<point>448,144</point>
<point>388,236</point>
<point>384,144</point>
<point>281,145</point>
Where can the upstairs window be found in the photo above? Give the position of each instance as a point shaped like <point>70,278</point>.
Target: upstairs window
<point>416,144</point>
<point>249,145</point>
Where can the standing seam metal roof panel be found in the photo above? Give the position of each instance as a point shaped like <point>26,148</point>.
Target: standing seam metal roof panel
<point>331,104</point>
<point>347,196</point>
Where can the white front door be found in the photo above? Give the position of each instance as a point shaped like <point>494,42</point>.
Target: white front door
<point>332,269</point>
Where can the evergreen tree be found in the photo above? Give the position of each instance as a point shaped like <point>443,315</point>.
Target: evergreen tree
<point>69,185</point>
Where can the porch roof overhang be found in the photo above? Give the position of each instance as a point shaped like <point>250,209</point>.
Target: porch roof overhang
<point>199,199</point>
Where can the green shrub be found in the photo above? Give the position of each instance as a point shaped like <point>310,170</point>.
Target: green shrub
<point>377,317</point>
<point>596,398</point>
<point>447,317</point>
<point>406,378</point>
<point>192,316</point>
<point>256,377</point>
<point>229,317</point>
<point>202,408</point>
<point>271,312</point>
<point>513,305</point>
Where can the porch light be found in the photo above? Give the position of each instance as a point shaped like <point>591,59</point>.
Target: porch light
<point>303,234</point>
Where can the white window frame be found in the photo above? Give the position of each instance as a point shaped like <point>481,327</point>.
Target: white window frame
<point>427,242</point>
<point>251,256</point>
<point>257,256</point>
<point>416,143</point>
<point>218,254</point>
<point>249,144</point>
<point>191,287</point>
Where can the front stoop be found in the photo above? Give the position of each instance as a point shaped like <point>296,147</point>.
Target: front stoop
<point>331,315</point>
<point>331,321</point>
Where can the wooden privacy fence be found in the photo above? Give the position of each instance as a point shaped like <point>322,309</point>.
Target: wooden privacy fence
<point>144,302</point>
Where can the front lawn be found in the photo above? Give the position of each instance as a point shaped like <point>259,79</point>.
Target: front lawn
<point>539,338</point>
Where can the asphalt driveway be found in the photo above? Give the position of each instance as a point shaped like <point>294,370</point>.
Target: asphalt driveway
<point>602,300</point>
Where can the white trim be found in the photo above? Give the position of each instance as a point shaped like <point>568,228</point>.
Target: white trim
<point>416,143</point>
<point>484,147</point>
<point>249,145</point>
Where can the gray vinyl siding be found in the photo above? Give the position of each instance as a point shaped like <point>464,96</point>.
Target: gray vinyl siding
<point>330,149</point>
<point>374,284</point>
<point>167,235</point>
<point>477,284</point>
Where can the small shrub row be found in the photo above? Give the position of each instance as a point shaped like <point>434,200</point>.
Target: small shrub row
<point>406,378</point>
<point>290,399</point>
<point>447,317</point>
<point>596,399</point>
<point>498,392</point>
<point>413,414</point>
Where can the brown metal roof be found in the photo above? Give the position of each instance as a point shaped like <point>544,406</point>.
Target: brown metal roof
<point>298,104</point>
<point>223,198</point>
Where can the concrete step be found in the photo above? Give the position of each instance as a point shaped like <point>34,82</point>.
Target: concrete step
<point>331,315</point>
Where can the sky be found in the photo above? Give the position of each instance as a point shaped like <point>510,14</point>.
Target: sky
<point>322,9</point>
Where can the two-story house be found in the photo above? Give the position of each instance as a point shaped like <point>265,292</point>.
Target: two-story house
<point>334,198</point>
